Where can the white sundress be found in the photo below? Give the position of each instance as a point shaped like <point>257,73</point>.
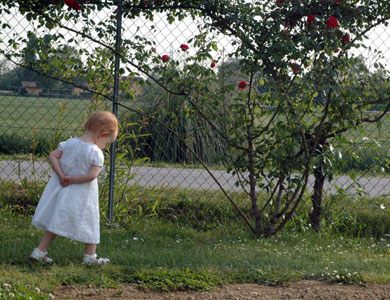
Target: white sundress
<point>72,211</point>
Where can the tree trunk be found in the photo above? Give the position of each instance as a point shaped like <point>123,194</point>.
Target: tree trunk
<point>252,190</point>
<point>316,198</point>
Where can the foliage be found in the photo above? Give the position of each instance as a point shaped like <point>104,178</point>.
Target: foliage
<point>204,211</point>
<point>20,292</point>
<point>363,157</point>
<point>173,133</point>
<point>176,280</point>
<point>21,197</point>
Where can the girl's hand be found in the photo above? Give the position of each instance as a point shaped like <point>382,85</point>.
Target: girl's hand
<point>65,181</point>
<point>54,158</point>
<point>83,178</point>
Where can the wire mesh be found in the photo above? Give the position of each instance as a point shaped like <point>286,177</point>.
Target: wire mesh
<point>37,111</point>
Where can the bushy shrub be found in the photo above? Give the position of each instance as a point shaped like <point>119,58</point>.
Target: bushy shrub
<point>364,158</point>
<point>357,216</point>
<point>207,210</point>
<point>16,144</point>
<point>21,197</point>
<point>201,210</point>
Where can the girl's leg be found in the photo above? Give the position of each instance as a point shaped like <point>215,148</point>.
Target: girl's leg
<point>46,240</point>
<point>40,254</point>
<point>90,249</point>
<point>90,257</point>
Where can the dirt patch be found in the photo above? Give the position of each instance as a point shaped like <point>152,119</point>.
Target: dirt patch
<point>298,290</point>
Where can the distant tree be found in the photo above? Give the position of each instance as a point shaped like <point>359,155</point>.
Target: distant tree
<point>11,77</point>
<point>5,66</point>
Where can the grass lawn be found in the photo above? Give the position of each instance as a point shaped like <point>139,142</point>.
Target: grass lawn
<point>42,116</point>
<point>20,115</point>
<point>165,256</point>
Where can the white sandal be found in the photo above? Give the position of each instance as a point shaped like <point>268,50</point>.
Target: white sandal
<point>41,256</point>
<point>94,260</point>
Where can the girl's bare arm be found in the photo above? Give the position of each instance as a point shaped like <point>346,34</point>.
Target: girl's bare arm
<point>54,158</point>
<point>91,175</point>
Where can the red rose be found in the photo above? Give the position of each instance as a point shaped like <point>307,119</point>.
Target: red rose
<point>310,18</point>
<point>345,39</point>
<point>278,2</point>
<point>213,64</point>
<point>153,49</point>
<point>112,17</point>
<point>77,6</point>
<point>295,67</point>
<point>165,58</point>
<point>70,3</point>
<point>336,50</point>
<point>332,22</point>
<point>242,85</point>
<point>184,47</point>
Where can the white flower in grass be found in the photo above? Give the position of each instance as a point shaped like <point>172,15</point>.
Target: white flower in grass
<point>135,238</point>
<point>51,296</point>
<point>11,295</point>
<point>37,290</point>
<point>7,286</point>
<point>382,206</point>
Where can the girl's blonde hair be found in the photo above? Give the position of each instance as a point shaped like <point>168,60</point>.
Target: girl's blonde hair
<point>102,121</point>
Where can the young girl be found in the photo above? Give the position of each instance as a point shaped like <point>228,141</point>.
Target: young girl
<point>69,205</point>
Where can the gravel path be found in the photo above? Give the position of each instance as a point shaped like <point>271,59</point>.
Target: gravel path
<point>303,290</point>
<point>192,178</point>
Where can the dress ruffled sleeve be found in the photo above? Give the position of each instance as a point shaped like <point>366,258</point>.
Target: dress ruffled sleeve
<point>97,157</point>
<point>62,146</point>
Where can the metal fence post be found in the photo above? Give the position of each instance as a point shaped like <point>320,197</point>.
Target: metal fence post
<point>115,108</point>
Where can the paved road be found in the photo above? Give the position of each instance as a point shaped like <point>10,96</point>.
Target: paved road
<point>197,179</point>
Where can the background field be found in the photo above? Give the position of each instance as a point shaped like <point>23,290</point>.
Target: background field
<point>20,115</point>
<point>42,116</point>
<point>40,123</point>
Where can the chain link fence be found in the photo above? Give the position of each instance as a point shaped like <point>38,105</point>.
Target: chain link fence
<point>157,169</point>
